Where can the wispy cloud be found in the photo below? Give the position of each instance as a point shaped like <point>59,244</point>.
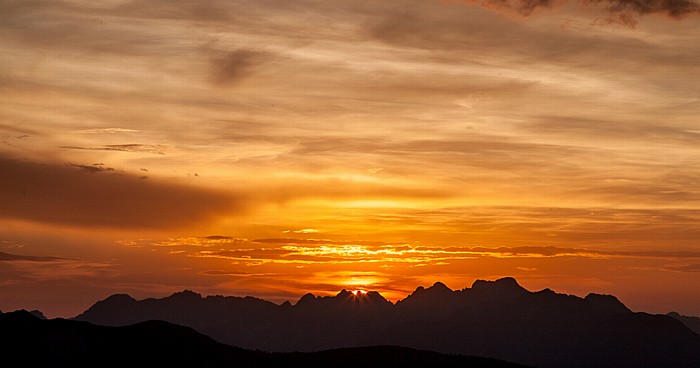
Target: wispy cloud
<point>107,131</point>
<point>302,231</point>
<point>18,269</point>
<point>685,268</point>
<point>93,168</point>
<point>133,147</point>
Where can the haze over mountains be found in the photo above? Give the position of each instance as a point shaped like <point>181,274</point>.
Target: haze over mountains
<point>692,323</point>
<point>498,319</point>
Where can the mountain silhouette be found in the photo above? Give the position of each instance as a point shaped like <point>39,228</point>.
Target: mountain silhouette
<point>30,341</point>
<point>692,323</point>
<point>496,319</point>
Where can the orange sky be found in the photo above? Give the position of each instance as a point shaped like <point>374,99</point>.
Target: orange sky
<point>272,148</point>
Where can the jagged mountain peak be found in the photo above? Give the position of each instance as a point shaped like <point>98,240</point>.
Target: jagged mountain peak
<point>186,295</point>
<point>439,287</point>
<point>506,287</point>
<point>38,314</point>
<point>345,297</point>
<point>505,282</point>
<point>306,299</point>
<point>343,294</point>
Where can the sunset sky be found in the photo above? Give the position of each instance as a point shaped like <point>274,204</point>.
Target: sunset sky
<point>275,147</point>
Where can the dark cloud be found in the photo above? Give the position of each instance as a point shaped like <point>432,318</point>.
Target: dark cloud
<point>672,8</point>
<point>219,237</point>
<point>8,257</point>
<point>623,11</point>
<point>524,7</point>
<point>55,193</point>
<point>235,66</point>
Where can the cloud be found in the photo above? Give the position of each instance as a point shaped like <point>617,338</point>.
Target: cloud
<point>61,194</point>
<point>523,7</point>
<point>17,130</point>
<point>527,269</point>
<point>313,241</point>
<point>235,66</point>
<point>134,147</point>
<point>685,268</point>
<point>107,130</point>
<point>622,11</point>
<point>302,231</point>
<point>93,168</point>
<point>234,274</point>
<point>24,271</point>
<point>611,130</point>
<point>8,257</point>
<point>672,8</point>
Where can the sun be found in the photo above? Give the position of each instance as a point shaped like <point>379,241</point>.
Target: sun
<point>359,291</point>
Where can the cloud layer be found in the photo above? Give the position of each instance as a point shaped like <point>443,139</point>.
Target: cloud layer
<point>87,196</point>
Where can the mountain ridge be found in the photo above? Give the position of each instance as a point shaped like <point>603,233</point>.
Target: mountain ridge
<point>497,319</point>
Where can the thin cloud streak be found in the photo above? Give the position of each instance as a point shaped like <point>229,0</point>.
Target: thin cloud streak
<point>133,147</point>
<point>319,251</point>
<point>622,11</point>
<point>9,257</point>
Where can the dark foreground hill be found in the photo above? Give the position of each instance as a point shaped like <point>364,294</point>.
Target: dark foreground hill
<point>27,340</point>
<point>497,319</point>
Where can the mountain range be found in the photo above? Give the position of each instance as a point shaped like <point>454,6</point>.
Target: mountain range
<point>497,319</point>
<point>28,340</point>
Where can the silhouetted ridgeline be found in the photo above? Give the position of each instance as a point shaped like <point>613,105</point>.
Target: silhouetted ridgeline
<point>693,323</point>
<point>498,319</point>
<point>27,340</point>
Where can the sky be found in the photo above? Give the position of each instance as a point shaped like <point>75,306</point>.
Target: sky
<point>273,148</point>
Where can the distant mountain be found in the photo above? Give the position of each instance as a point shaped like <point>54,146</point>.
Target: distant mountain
<point>497,319</point>
<point>692,323</point>
<point>37,314</point>
<point>27,340</point>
